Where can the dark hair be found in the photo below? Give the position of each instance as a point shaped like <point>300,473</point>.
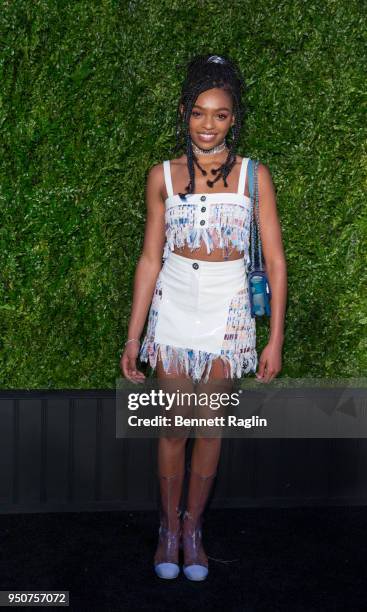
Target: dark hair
<point>206,72</point>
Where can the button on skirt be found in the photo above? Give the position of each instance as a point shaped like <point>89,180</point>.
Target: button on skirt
<point>200,312</point>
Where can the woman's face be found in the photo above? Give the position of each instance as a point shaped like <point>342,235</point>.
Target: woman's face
<point>211,118</point>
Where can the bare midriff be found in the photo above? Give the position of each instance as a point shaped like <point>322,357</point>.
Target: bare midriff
<point>201,253</point>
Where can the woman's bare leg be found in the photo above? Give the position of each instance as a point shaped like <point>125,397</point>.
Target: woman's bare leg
<point>206,450</point>
<point>171,472</point>
<point>203,470</point>
<point>171,450</point>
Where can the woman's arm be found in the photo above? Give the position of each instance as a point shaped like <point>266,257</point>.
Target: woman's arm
<point>147,270</point>
<point>276,269</point>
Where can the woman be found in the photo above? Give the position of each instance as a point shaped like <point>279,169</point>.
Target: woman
<point>199,327</point>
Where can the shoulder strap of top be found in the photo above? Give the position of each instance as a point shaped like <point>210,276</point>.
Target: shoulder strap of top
<point>167,177</point>
<point>243,172</point>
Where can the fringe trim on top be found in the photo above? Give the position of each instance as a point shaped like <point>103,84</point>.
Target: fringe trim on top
<point>239,344</point>
<point>228,225</point>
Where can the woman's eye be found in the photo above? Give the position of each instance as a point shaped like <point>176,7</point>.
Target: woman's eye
<point>197,114</point>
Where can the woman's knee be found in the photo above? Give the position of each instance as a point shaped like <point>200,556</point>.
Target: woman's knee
<point>173,442</point>
<point>208,440</point>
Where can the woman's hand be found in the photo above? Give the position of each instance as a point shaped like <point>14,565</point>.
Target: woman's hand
<point>128,363</point>
<point>270,362</point>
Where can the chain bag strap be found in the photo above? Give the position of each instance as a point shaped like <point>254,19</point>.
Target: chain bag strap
<point>258,283</point>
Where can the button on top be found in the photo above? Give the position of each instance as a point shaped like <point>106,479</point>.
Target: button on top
<point>203,208</point>
<point>203,198</point>
<point>195,265</point>
<point>202,222</point>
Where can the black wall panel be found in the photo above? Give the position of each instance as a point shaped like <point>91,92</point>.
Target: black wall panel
<point>58,452</point>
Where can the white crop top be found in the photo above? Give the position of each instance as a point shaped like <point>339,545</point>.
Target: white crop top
<point>219,219</point>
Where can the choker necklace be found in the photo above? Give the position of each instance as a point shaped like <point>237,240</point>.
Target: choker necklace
<point>217,149</point>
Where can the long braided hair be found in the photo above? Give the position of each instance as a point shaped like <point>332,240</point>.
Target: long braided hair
<point>206,72</point>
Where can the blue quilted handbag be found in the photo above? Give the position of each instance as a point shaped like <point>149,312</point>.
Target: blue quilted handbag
<point>258,283</point>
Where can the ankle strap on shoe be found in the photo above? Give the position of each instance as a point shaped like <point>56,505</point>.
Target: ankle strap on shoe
<point>187,515</point>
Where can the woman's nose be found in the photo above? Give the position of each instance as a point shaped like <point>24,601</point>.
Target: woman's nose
<point>208,123</point>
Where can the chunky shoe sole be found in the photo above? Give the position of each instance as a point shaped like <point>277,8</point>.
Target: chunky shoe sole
<point>168,571</point>
<point>196,572</point>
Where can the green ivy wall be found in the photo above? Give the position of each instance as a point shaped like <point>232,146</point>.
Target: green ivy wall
<point>88,100</point>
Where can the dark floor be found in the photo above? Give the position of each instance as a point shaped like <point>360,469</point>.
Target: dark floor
<point>296,559</point>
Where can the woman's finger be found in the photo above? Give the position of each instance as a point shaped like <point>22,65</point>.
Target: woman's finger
<point>133,373</point>
<point>261,369</point>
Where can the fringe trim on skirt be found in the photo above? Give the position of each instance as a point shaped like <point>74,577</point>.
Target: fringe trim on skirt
<point>239,355</point>
<point>193,363</point>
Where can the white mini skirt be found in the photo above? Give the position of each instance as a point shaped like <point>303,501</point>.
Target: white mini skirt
<point>200,312</point>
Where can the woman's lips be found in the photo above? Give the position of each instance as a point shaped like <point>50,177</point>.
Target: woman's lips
<point>207,137</point>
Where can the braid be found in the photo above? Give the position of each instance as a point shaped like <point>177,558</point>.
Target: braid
<point>206,72</point>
